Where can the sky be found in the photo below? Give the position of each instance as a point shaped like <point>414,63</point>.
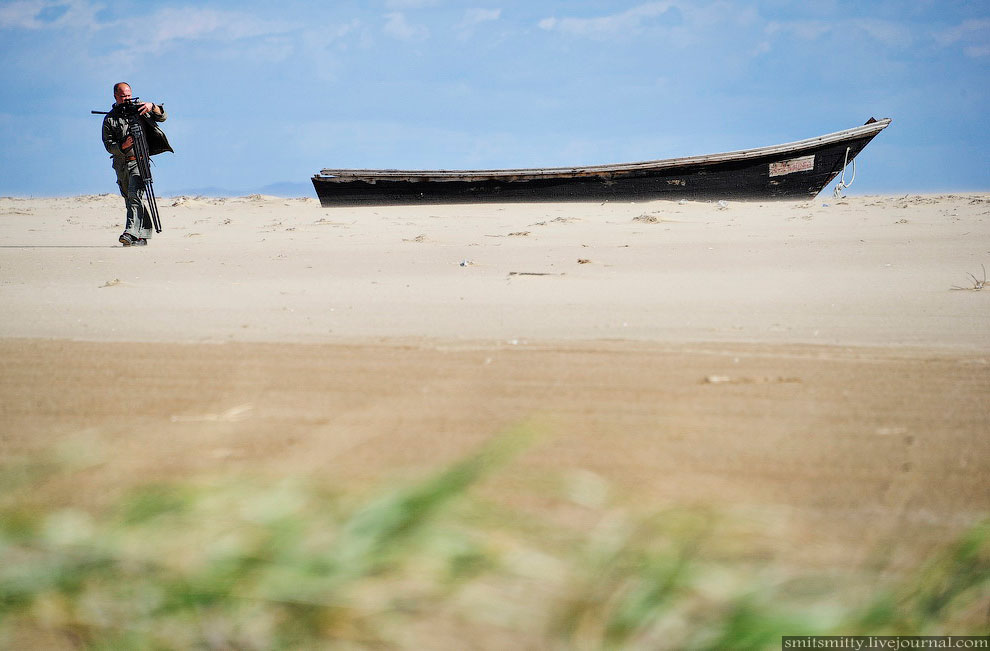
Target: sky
<point>263,95</point>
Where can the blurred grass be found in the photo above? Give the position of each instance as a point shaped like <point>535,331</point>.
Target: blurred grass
<point>286,565</point>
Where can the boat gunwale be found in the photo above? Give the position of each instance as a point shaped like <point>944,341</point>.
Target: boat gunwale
<point>344,175</point>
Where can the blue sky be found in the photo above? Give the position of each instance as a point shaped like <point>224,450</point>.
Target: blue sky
<point>261,93</point>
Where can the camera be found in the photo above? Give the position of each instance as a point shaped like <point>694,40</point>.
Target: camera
<point>131,107</point>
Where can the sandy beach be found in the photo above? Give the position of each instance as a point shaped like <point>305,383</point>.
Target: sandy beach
<point>809,364</point>
<point>858,271</point>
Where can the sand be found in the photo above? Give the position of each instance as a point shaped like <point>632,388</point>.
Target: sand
<point>806,363</point>
<point>860,271</point>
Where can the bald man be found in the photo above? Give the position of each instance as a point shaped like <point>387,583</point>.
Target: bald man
<point>118,141</point>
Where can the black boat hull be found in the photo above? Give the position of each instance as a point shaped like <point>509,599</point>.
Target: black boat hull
<point>796,174</point>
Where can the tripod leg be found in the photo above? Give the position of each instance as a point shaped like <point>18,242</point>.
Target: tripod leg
<point>153,207</point>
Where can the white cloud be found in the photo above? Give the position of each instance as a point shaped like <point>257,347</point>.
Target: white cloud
<point>174,27</point>
<point>157,30</point>
<point>962,31</point>
<point>411,4</point>
<point>973,35</point>
<point>888,33</point>
<point>761,48</point>
<point>192,24</point>
<point>21,15</point>
<point>397,26</point>
<point>885,32</point>
<point>473,18</point>
<point>806,30</point>
<point>600,26</point>
<point>477,16</point>
<point>43,14</point>
<point>325,36</point>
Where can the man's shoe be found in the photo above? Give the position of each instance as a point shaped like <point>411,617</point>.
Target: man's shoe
<point>141,241</point>
<point>127,239</point>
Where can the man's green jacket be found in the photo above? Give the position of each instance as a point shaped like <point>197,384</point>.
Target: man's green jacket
<point>116,130</point>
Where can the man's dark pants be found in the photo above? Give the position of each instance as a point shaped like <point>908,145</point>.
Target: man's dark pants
<point>132,189</point>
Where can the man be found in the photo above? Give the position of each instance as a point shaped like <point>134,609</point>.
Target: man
<point>119,142</point>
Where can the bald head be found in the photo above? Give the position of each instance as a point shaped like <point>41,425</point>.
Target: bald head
<point>121,92</point>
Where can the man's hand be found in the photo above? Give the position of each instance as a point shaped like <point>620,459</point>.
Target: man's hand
<point>146,108</point>
<point>127,144</point>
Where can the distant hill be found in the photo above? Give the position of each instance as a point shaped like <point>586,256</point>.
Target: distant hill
<point>288,189</point>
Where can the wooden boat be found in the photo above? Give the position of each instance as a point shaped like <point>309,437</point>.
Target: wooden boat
<point>795,170</point>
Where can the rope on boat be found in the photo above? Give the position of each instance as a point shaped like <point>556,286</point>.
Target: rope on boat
<point>842,185</point>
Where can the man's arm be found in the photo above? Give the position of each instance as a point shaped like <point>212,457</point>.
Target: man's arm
<point>110,141</point>
<point>154,111</point>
